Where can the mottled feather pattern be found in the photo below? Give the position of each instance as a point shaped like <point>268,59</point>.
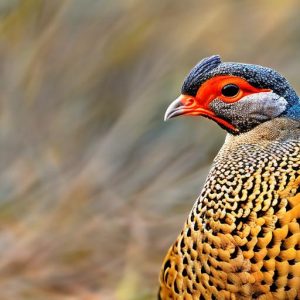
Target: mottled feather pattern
<point>242,237</point>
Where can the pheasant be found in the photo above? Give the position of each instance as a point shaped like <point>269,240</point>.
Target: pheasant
<point>241,239</point>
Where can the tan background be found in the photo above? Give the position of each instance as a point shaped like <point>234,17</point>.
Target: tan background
<point>94,186</point>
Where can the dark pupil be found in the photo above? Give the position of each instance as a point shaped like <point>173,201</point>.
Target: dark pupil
<point>230,90</point>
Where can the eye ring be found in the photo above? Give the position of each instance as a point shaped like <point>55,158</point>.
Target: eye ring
<point>230,90</point>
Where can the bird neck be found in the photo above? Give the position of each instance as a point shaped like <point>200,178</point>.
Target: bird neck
<point>243,183</point>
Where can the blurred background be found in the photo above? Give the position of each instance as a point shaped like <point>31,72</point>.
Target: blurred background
<point>94,186</point>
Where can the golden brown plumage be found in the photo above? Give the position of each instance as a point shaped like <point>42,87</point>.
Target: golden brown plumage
<point>242,237</point>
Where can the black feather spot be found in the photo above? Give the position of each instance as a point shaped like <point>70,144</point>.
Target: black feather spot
<point>176,287</point>
<point>273,287</point>
<point>167,265</point>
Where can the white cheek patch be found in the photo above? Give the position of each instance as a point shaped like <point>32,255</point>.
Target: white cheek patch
<point>251,110</point>
<point>263,106</point>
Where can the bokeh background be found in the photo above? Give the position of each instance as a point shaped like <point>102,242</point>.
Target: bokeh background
<point>94,186</point>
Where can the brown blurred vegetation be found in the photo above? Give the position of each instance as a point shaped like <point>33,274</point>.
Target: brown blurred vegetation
<point>94,187</point>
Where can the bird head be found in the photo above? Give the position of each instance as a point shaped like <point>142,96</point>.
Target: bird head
<point>236,96</point>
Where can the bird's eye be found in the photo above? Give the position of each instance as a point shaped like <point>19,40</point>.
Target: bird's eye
<point>230,90</point>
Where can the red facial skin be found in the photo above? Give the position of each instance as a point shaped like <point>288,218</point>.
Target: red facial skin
<point>212,89</point>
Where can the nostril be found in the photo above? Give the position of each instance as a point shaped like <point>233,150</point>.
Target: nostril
<point>189,102</point>
<point>177,104</point>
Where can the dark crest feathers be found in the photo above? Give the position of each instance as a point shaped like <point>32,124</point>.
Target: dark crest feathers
<point>191,83</point>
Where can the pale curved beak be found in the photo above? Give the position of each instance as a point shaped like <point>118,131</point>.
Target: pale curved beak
<point>176,108</point>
